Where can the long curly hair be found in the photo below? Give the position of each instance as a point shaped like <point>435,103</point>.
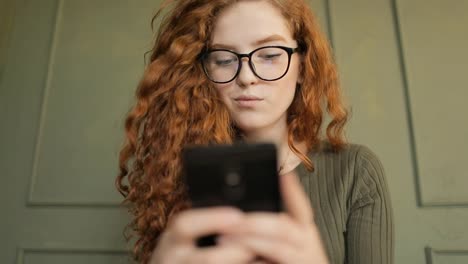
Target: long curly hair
<point>177,106</point>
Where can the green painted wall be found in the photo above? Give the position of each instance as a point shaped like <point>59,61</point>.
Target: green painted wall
<point>68,70</point>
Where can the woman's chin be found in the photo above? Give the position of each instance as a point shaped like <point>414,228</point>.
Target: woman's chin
<point>248,126</point>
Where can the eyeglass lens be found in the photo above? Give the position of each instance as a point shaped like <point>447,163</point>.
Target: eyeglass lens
<point>267,63</point>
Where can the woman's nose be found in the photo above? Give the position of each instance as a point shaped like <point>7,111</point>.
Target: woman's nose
<point>246,75</point>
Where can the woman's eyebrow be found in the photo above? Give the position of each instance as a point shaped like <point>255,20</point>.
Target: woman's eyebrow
<point>222,46</point>
<point>259,42</point>
<point>271,38</point>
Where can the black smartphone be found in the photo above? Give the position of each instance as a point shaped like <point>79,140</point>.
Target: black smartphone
<point>240,175</point>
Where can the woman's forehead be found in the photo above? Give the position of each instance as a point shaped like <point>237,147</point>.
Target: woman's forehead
<point>250,23</point>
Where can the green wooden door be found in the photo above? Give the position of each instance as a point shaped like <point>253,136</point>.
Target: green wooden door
<point>68,70</point>
<point>403,65</point>
<point>68,80</point>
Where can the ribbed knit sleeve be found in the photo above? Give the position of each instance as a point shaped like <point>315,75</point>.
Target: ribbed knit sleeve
<point>369,236</point>
<point>351,204</point>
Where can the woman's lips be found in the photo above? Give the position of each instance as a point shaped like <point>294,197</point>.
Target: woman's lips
<point>247,101</point>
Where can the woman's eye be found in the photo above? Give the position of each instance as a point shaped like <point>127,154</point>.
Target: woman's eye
<point>270,56</point>
<point>224,62</point>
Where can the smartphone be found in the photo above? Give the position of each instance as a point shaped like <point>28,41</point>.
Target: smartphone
<point>240,175</point>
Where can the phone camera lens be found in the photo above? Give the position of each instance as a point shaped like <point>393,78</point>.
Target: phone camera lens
<point>234,187</point>
<point>233,179</point>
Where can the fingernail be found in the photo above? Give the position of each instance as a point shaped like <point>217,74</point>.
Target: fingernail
<point>223,240</point>
<point>233,215</point>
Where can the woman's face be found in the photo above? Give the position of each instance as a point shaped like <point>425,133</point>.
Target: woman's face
<point>256,104</point>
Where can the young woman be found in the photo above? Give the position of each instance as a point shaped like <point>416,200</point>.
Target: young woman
<point>257,70</point>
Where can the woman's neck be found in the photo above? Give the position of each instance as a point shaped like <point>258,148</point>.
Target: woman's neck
<point>278,135</point>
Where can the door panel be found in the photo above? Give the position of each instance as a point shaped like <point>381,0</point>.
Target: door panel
<point>434,39</point>
<point>83,96</point>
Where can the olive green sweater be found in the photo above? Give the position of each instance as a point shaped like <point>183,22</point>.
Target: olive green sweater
<point>351,203</point>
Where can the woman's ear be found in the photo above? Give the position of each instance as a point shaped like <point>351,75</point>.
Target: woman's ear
<point>300,78</point>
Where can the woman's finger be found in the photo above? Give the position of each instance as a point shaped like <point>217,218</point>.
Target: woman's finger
<point>296,202</point>
<point>272,226</point>
<point>270,249</point>
<point>191,224</point>
<point>224,253</point>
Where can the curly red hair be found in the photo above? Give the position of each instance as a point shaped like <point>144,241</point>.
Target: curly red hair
<point>177,106</point>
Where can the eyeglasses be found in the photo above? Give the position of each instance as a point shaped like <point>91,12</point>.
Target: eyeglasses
<point>269,63</point>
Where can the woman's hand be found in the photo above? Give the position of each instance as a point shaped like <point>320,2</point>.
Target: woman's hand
<point>178,242</point>
<point>290,237</point>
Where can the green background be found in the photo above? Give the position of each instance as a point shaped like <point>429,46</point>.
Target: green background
<point>68,71</point>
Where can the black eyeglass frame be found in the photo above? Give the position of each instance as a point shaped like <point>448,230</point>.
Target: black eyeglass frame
<point>289,51</point>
